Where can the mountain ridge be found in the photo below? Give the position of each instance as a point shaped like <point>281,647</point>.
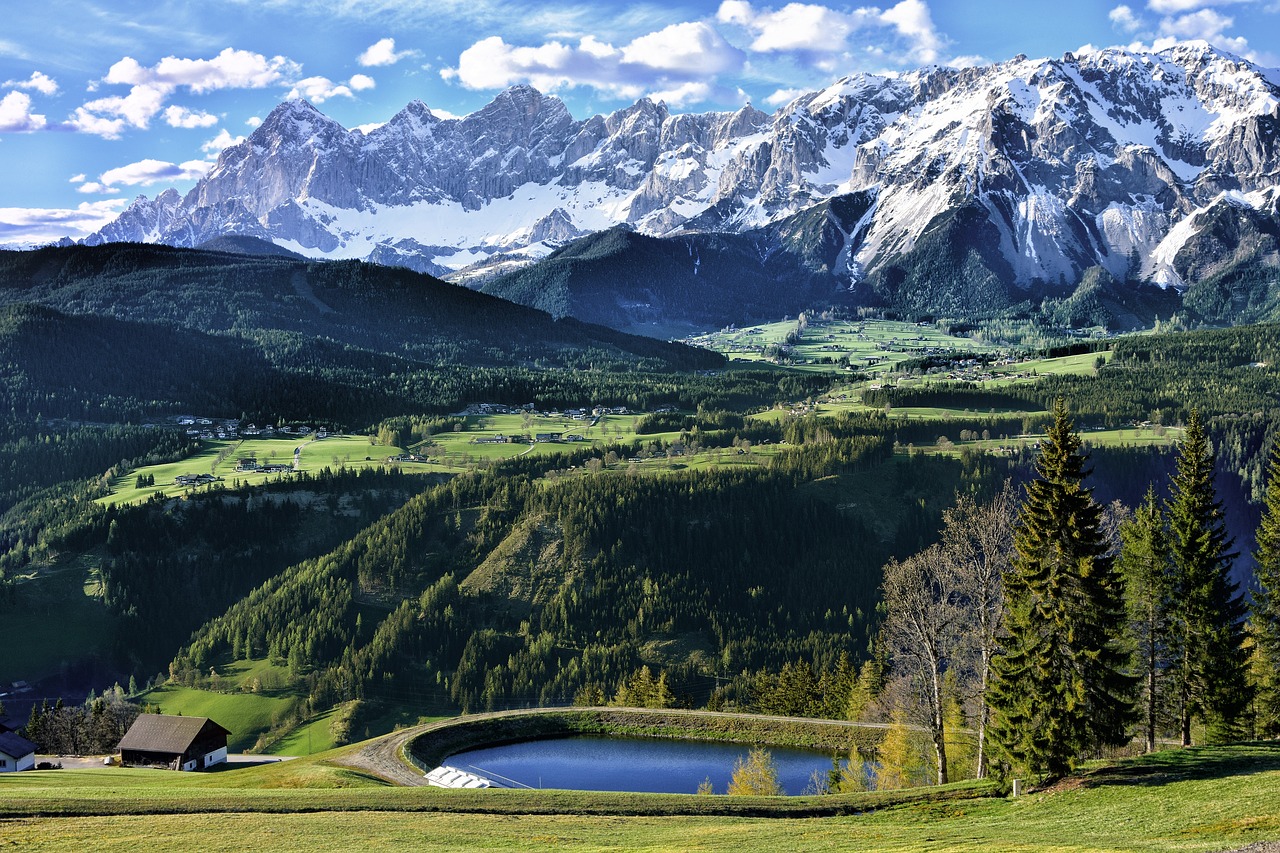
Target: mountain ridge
<point>1104,159</point>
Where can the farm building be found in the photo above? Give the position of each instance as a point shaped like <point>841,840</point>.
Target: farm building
<point>178,743</point>
<point>16,752</point>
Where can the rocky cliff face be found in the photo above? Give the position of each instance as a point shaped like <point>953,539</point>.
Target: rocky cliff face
<point>1108,159</point>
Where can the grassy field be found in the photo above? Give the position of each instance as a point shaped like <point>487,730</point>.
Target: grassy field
<point>877,346</point>
<point>244,714</point>
<point>1165,437</point>
<point>1204,799</point>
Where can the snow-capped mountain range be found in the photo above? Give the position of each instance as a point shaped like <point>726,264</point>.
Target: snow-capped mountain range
<point>1111,158</point>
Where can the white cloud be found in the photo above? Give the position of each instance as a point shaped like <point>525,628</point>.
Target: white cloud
<point>367,129</point>
<point>182,117</point>
<point>361,82</point>
<point>913,22</point>
<point>86,122</point>
<point>682,95</point>
<point>1205,24</point>
<point>444,114</point>
<point>151,86</point>
<point>794,27</point>
<point>108,117</point>
<point>77,179</point>
<point>783,96</point>
<point>382,52</point>
<point>16,115</point>
<point>1173,7</point>
<point>1123,18</point>
<point>664,62</point>
<point>685,49</point>
<point>39,82</point>
<point>42,225</point>
<point>253,121</point>
<point>817,34</point>
<point>95,188</point>
<point>319,89</point>
<point>230,69</point>
<point>218,143</point>
<point>147,172</point>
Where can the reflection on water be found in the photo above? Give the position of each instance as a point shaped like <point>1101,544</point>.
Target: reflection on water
<point>632,764</point>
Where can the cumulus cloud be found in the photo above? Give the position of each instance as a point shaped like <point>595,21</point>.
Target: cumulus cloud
<point>1174,7</point>
<point>1205,24</point>
<point>783,96</point>
<point>230,69</point>
<point>25,225</point>
<point>912,20</point>
<point>177,116</point>
<point>42,83</point>
<point>214,146</point>
<point>319,89</point>
<point>147,172</point>
<point>904,33</point>
<point>1124,19</point>
<point>361,82</point>
<point>16,115</point>
<point>382,52</point>
<point>665,62</point>
<point>151,86</point>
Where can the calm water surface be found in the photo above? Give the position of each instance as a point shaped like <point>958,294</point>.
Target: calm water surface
<point>630,764</point>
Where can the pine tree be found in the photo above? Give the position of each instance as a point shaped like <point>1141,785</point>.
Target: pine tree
<point>1148,574</point>
<point>1212,659</point>
<point>1266,602</point>
<point>1060,686</point>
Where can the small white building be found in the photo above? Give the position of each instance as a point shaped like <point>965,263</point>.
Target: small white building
<point>16,753</point>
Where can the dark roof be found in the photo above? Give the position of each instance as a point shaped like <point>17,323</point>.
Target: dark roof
<point>163,733</point>
<point>15,745</point>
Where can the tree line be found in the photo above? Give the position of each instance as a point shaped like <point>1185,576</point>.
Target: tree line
<point>1062,627</point>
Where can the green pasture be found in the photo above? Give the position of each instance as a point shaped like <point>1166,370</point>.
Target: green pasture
<point>220,459</point>
<point>1204,799</point>
<point>244,714</point>
<point>888,342</point>
<point>1132,437</point>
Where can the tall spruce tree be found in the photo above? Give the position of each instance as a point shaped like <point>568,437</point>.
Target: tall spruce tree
<point>1266,603</point>
<point>1148,574</point>
<point>1209,630</point>
<point>1060,684</point>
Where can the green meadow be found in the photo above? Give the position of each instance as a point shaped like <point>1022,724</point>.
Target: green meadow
<point>1203,799</point>
<point>877,346</point>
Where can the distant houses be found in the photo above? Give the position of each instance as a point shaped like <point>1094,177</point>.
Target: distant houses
<point>176,743</point>
<point>249,465</point>
<point>189,480</point>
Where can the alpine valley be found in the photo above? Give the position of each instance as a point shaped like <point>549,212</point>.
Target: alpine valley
<point>954,192</point>
<point>931,423</point>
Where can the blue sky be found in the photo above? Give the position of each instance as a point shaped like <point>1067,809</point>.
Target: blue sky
<point>102,100</point>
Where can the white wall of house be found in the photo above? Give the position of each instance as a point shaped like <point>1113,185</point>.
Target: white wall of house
<point>218,756</point>
<point>12,763</point>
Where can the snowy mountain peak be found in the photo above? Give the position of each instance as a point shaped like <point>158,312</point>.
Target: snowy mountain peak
<point>1093,159</point>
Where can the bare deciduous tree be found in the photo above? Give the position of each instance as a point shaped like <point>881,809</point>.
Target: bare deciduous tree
<point>922,628</point>
<point>978,543</point>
